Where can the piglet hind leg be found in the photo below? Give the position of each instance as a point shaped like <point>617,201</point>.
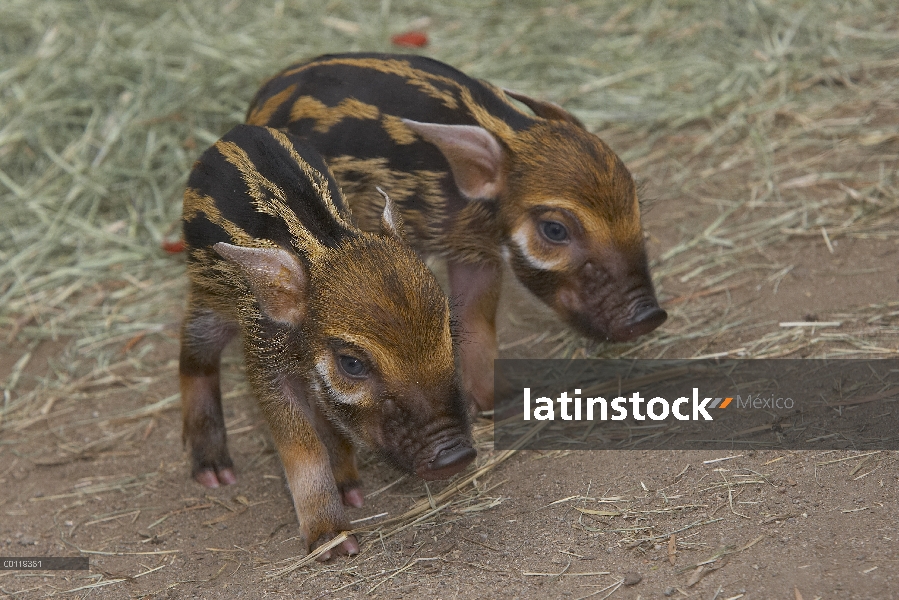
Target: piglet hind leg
<point>203,337</point>
<point>475,291</point>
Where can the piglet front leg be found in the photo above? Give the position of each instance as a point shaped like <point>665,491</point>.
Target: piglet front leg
<point>308,466</point>
<point>341,453</point>
<point>474,289</point>
<point>315,496</point>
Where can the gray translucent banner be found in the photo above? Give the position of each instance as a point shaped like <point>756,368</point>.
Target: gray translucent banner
<point>788,404</point>
<point>44,563</point>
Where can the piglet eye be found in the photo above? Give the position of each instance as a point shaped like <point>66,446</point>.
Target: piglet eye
<point>352,366</point>
<point>554,231</point>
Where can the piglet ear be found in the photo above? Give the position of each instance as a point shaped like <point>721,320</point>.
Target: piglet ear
<point>276,277</point>
<point>391,219</point>
<point>474,155</point>
<point>545,110</point>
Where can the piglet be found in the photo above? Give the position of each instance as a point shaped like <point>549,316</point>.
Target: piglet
<point>346,334</point>
<point>480,179</point>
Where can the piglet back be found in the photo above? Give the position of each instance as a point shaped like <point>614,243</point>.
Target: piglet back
<point>258,187</point>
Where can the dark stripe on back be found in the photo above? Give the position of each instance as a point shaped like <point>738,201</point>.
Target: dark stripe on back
<point>215,176</point>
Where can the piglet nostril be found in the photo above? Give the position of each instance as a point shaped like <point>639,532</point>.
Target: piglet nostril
<point>456,456</point>
<point>646,317</point>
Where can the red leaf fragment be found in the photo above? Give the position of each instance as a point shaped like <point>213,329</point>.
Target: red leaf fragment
<point>173,247</point>
<point>410,39</point>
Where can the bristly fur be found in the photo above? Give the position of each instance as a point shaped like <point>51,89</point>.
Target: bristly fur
<point>456,327</point>
<point>646,202</point>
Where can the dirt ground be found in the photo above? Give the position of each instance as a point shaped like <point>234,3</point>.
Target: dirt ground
<point>98,468</point>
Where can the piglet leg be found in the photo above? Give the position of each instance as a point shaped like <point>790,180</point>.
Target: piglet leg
<point>315,496</point>
<point>474,289</point>
<point>307,465</point>
<point>341,454</point>
<point>203,337</point>
<point>343,463</point>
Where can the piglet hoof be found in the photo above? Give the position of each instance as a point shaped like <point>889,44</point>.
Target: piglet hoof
<point>348,547</point>
<point>352,497</point>
<point>212,478</point>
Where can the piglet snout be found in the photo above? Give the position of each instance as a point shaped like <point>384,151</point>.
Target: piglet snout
<point>645,317</point>
<point>448,461</point>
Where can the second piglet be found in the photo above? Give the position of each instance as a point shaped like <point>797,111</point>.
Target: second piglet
<point>479,179</point>
<point>346,334</point>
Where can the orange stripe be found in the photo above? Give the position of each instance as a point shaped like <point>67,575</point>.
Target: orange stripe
<point>260,115</point>
<point>725,403</point>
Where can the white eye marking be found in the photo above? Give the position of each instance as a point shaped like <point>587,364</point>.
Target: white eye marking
<point>521,239</point>
<point>323,368</point>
